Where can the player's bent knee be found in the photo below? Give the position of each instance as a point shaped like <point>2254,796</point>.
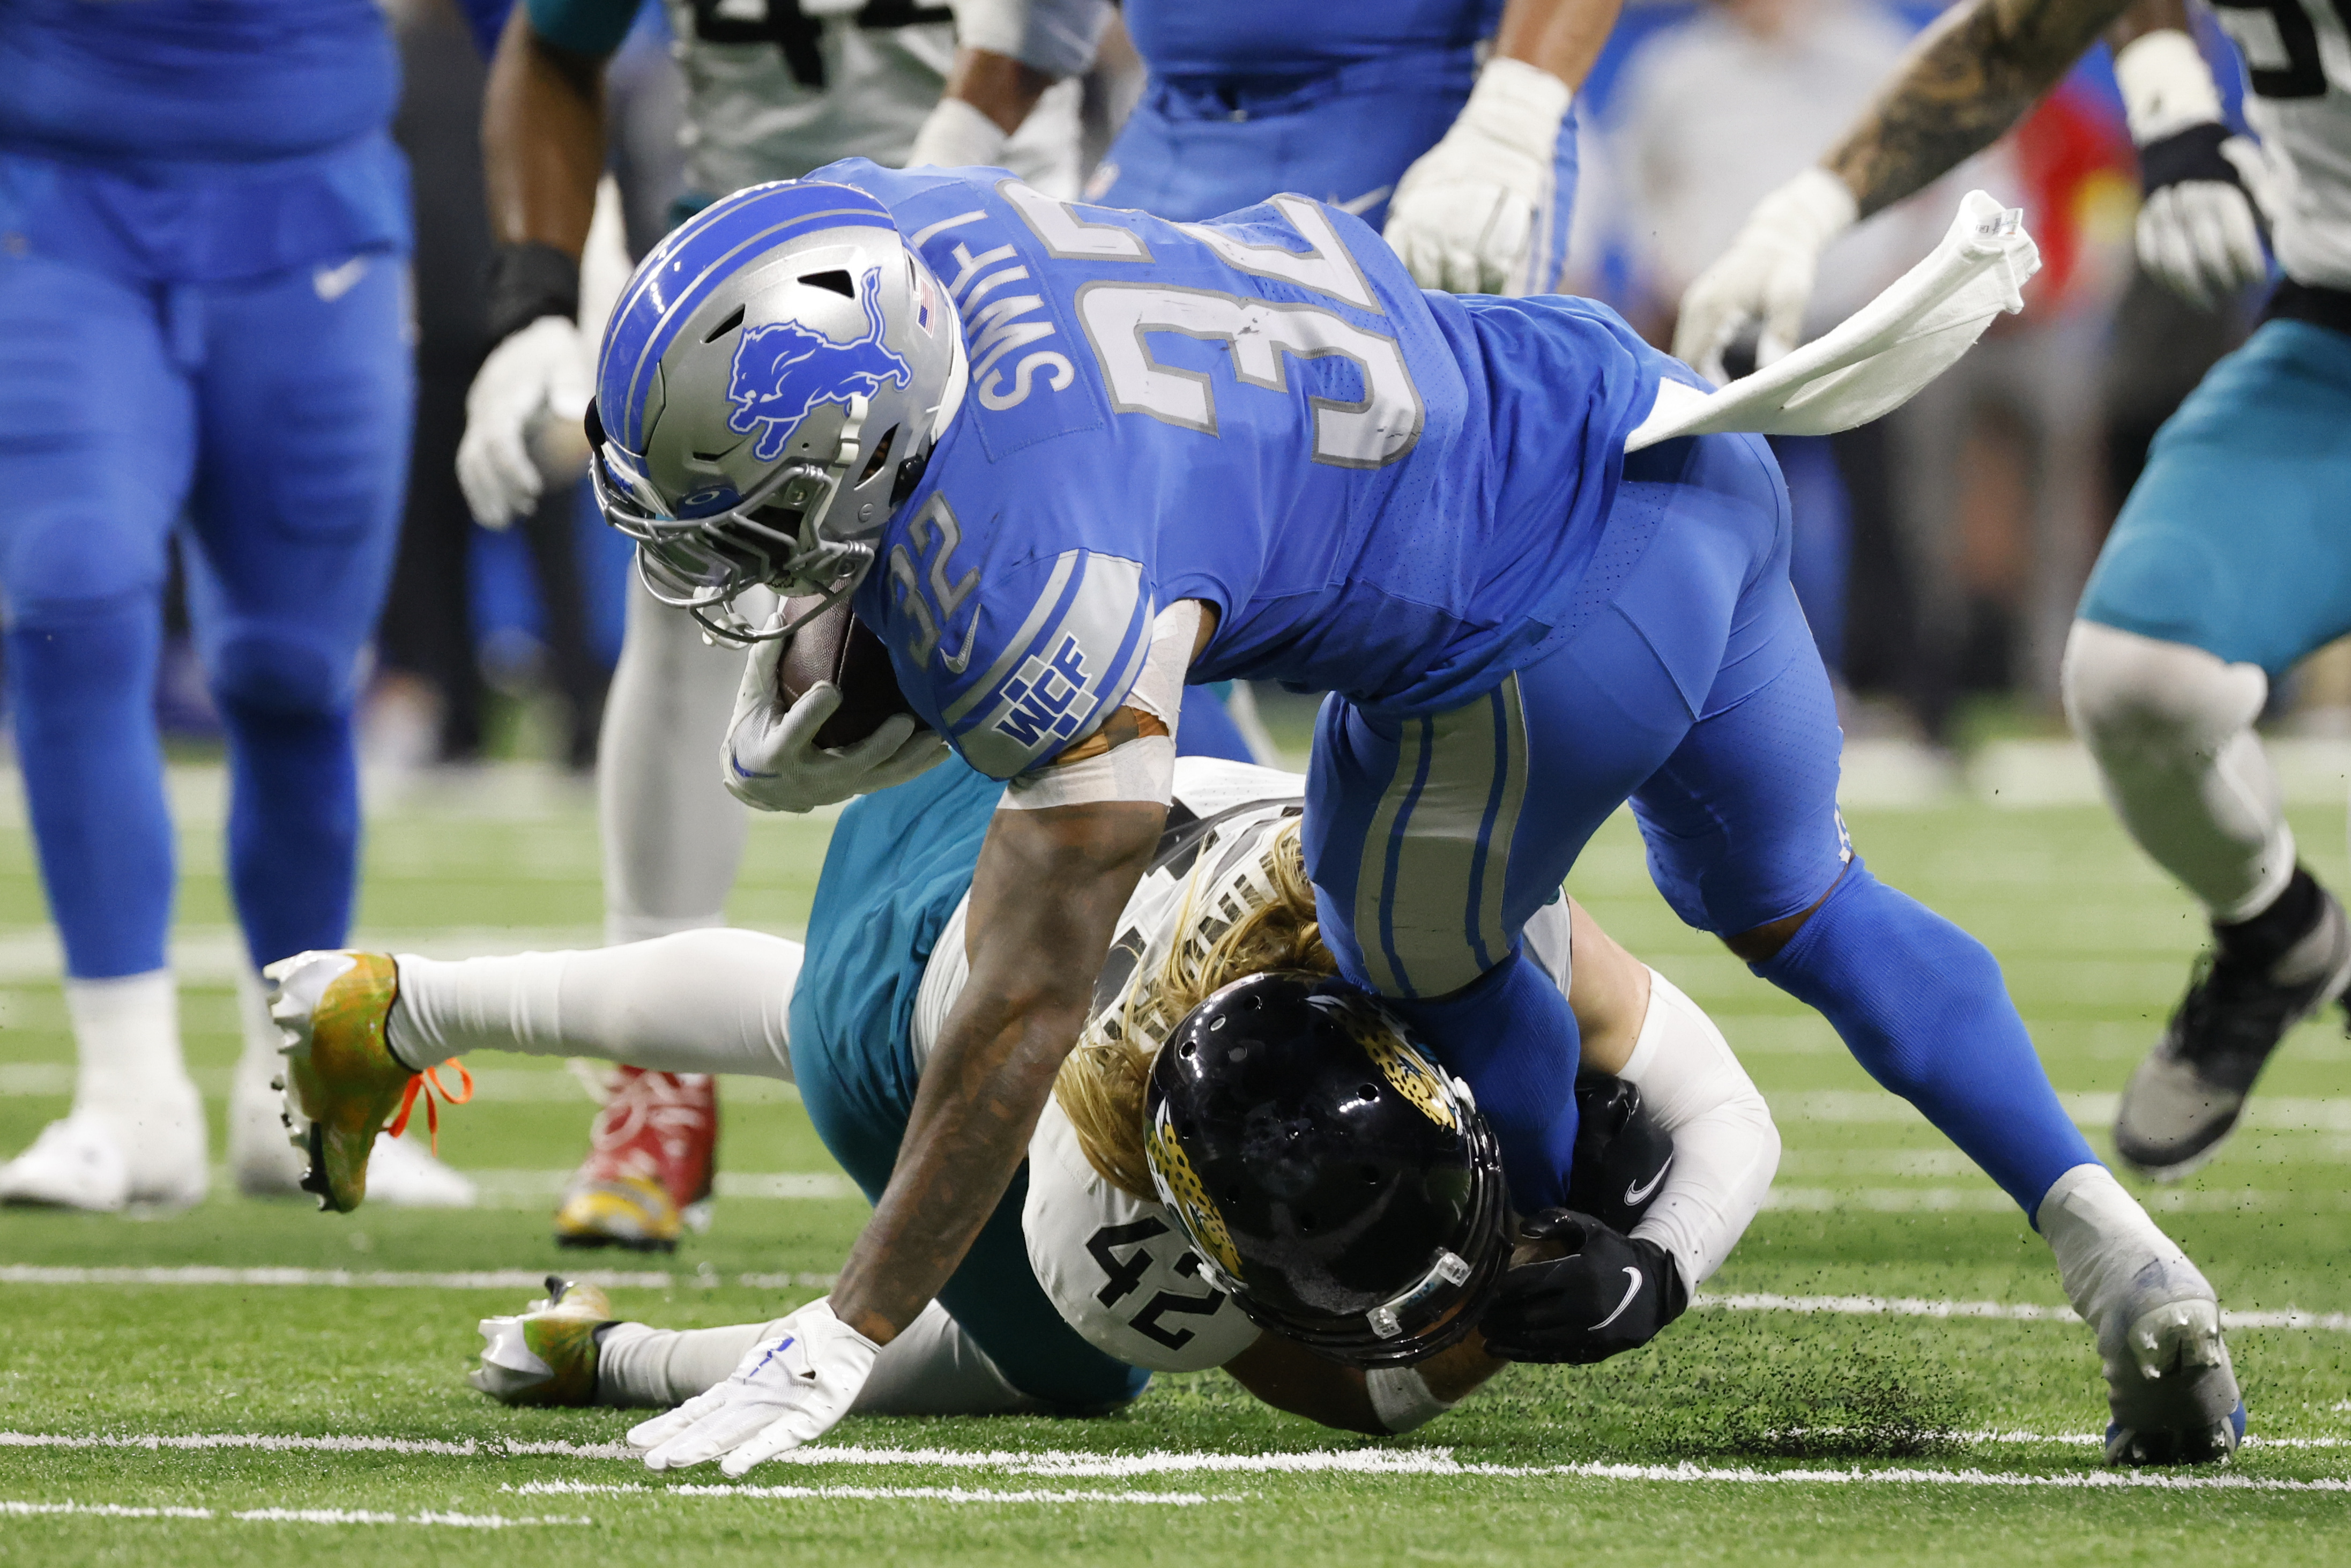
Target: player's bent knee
<point>2134,696</point>
<point>288,677</point>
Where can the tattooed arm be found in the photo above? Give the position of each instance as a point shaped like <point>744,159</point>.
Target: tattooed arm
<point>1045,902</point>
<point>1969,77</point>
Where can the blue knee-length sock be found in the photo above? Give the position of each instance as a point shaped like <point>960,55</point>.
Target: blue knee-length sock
<point>293,827</point>
<point>1921,1006</point>
<point>1509,1034</point>
<point>81,682</point>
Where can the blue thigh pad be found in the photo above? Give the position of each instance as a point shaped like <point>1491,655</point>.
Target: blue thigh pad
<point>1432,839</point>
<point>2235,538</point>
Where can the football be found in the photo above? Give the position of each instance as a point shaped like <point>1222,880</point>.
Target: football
<point>838,647</point>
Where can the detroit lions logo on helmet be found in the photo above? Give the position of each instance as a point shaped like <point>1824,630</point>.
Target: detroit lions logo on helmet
<point>784,370</point>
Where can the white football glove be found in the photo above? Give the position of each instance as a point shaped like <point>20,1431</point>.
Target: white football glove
<point>524,409</point>
<point>1766,274</point>
<point>957,135</point>
<point>772,762</point>
<point>2199,229</point>
<point>1463,217</point>
<point>786,1391</point>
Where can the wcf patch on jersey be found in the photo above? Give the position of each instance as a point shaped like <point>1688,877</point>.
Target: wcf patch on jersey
<point>1047,698</point>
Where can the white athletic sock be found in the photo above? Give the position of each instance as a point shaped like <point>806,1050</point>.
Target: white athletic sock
<point>260,1156</point>
<point>712,1000</point>
<point>673,836</point>
<point>2171,728</point>
<point>2105,1241</point>
<point>639,1368</point>
<point>934,1368</point>
<point>126,1038</point>
<point>130,1074</point>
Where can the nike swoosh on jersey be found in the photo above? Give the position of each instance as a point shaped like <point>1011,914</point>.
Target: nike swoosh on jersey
<point>1359,205</point>
<point>1638,1192</point>
<point>1631,1290</point>
<point>333,282</point>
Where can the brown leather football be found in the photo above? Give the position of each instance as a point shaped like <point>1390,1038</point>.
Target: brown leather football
<point>838,647</point>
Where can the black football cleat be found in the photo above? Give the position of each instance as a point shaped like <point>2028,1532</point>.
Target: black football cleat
<point>2187,1096</point>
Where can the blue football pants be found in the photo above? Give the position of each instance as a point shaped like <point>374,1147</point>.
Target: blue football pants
<point>265,423</point>
<point>1196,148</point>
<point>1697,693</point>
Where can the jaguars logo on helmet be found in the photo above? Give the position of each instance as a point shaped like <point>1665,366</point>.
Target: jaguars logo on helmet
<point>769,390</point>
<point>1348,1188</point>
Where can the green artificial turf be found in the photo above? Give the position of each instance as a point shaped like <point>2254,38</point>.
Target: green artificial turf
<point>1869,1202</point>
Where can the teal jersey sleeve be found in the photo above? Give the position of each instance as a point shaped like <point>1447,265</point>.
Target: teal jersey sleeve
<point>584,27</point>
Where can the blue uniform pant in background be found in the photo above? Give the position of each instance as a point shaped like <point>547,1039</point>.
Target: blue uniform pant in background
<point>1696,693</point>
<point>1197,147</point>
<point>265,422</point>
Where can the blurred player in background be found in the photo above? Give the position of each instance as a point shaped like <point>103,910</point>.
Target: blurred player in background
<point>2229,563</point>
<point>203,240</point>
<point>771,92</point>
<point>1381,107</point>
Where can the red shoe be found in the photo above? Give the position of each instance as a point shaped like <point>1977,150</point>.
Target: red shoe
<point>651,1152</point>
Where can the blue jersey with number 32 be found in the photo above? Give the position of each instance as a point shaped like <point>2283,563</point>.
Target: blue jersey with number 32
<point>1384,493</point>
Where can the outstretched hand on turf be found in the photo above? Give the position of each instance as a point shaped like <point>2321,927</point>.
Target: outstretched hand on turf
<point>787,1390</point>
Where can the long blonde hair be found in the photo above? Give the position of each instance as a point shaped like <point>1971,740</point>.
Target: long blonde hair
<point>1101,1086</point>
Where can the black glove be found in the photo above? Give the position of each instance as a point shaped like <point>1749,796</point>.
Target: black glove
<point>2191,154</point>
<point>1611,1294</point>
<point>1621,1153</point>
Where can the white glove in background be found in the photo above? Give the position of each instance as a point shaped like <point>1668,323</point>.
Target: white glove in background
<point>1766,274</point>
<point>787,1390</point>
<point>525,405</point>
<point>1463,217</point>
<point>772,762</point>
<point>958,136</point>
<point>2200,237</point>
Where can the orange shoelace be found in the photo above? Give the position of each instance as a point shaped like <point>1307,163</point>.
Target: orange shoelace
<point>428,1083</point>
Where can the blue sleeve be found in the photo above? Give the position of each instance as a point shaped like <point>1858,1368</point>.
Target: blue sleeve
<point>1055,646</point>
<point>486,19</point>
<point>593,28</point>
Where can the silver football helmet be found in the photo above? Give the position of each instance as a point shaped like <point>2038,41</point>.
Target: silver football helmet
<point>769,391</point>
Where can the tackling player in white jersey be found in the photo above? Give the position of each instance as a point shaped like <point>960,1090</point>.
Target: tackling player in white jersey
<point>2231,561</point>
<point>1086,1276</point>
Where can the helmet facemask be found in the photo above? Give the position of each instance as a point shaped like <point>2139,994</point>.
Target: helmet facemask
<point>789,415</point>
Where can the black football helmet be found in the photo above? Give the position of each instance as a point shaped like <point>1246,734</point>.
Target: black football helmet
<point>1337,1183</point>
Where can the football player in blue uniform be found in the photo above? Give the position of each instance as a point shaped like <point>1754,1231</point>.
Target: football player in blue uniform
<point>204,234</point>
<point>1381,108</point>
<point>1091,454</point>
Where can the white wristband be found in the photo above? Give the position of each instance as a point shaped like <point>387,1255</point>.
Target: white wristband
<point>1401,1399</point>
<point>1519,105</point>
<point>957,135</point>
<point>2167,86</point>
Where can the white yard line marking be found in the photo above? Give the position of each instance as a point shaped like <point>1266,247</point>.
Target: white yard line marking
<point>371,1280</point>
<point>528,1280</point>
<point>870,1494</point>
<point>2012,1312</point>
<point>268,1442</point>
<point>1073,1465</point>
<point>10,1508</point>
